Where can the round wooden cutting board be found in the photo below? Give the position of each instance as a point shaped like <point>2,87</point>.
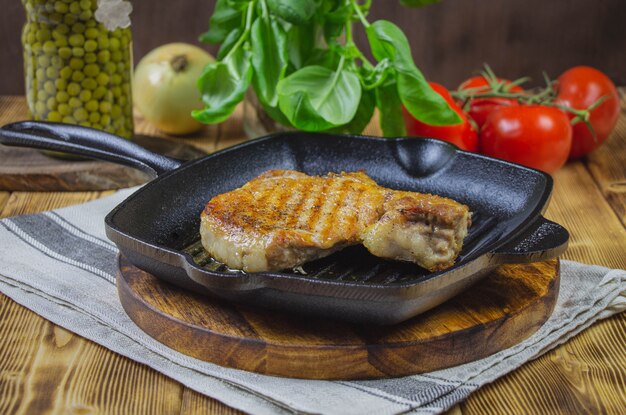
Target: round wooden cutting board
<point>501,310</point>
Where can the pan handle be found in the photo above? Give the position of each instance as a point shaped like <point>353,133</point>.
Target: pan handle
<point>542,240</point>
<point>85,141</point>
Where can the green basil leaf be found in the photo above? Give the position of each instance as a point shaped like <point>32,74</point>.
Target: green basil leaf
<point>300,44</point>
<point>362,117</point>
<point>334,20</point>
<point>228,43</point>
<point>418,3</point>
<point>268,37</point>
<point>328,6</point>
<point>374,77</point>
<point>303,115</point>
<point>294,11</point>
<point>338,12</point>
<point>224,20</point>
<point>316,98</point>
<point>390,108</point>
<point>323,57</point>
<point>423,102</point>
<point>238,4</point>
<point>388,41</point>
<point>333,30</point>
<point>222,86</point>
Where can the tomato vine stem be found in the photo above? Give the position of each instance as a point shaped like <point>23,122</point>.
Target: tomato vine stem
<point>545,96</point>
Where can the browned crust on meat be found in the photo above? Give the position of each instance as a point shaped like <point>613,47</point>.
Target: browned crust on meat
<point>417,205</point>
<point>294,217</point>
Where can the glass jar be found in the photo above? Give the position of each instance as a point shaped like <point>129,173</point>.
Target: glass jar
<point>77,70</point>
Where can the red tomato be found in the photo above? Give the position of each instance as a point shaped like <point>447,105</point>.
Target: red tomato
<point>480,108</point>
<point>579,87</point>
<point>462,135</point>
<point>533,135</point>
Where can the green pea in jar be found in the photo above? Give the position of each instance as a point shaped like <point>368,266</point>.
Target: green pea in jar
<point>78,63</point>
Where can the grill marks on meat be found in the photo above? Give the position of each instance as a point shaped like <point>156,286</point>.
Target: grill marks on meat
<point>284,218</point>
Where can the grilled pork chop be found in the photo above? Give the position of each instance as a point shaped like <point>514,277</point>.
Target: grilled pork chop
<point>284,218</point>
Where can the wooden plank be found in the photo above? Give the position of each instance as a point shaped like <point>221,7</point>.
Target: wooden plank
<point>194,403</point>
<point>21,333</point>
<point>12,108</point>
<point>596,234</point>
<point>20,203</point>
<point>585,375</point>
<point>607,165</point>
<point>4,198</point>
<point>47,369</point>
<point>83,377</point>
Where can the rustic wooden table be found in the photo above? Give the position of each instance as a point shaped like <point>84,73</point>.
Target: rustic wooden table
<point>45,368</point>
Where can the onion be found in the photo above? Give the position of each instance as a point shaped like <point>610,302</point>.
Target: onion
<point>164,86</point>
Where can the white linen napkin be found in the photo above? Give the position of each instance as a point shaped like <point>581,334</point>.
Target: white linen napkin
<point>61,265</point>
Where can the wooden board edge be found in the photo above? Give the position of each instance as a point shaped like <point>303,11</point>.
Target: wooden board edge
<point>401,360</point>
<point>363,362</point>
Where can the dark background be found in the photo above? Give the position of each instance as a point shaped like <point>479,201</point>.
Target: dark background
<point>450,40</point>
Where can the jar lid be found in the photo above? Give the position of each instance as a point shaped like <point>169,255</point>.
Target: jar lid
<point>114,14</point>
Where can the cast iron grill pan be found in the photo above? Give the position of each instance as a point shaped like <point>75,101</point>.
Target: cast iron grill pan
<point>156,228</point>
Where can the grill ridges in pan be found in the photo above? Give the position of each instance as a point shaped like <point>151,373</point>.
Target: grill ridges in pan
<point>337,267</point>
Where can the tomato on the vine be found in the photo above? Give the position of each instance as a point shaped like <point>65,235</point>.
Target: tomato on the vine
<point>533,135</point>
<point>479,108</point>
<point>463,135</point>
<point>579,88</point>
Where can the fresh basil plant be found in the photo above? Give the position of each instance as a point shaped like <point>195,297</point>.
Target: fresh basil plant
<point>306,70</point>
